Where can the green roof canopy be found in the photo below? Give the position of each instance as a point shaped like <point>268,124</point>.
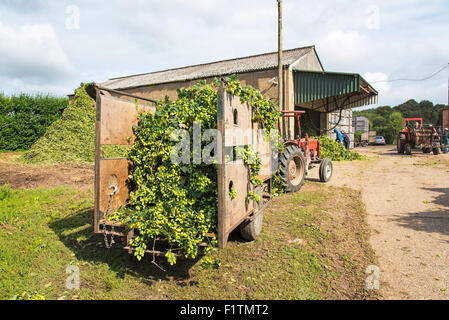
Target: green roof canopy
<point>332,91</point>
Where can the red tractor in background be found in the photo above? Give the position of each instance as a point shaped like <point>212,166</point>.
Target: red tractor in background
<point>417,136</point>
<point>299,156</point>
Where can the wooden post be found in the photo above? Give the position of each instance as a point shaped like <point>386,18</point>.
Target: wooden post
<point>280,65</point>
<point>97,162</point>
<point>221,168</point>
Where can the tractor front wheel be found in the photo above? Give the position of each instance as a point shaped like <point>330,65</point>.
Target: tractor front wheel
<point>400,146</point>
<point>292,168</point>
<point>408,149</point>
<point>326,170</point>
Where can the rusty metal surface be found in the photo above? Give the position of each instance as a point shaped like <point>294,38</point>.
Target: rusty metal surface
<point>425,138</point>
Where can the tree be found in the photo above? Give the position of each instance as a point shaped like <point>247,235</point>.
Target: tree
<point>379,122</point>
<point>396,124</point>
<point>24,118</point>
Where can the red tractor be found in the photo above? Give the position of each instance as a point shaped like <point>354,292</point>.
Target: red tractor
<point>299,156</point>
<point>417,136</point>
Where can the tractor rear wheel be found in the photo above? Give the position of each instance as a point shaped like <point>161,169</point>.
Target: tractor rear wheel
<point>292,168</point>
<point>326,170</point>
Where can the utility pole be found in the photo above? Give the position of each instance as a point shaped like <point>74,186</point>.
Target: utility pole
<point>280,63</point>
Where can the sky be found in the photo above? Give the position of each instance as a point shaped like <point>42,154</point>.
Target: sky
<point>52,46</point>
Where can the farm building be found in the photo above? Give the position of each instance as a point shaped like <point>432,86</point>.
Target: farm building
<point>327,96</point>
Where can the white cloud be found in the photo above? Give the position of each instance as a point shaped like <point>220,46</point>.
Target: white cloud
<point>379,81</point>
<point>33,52</point>
<point>394,39</point>
<point>344,46</point>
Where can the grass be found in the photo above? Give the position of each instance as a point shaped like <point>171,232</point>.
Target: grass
<point>15,151</point>
<point>313,246</point>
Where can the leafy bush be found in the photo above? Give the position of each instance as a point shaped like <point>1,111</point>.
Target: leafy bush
<point>24,119</point>
<point>336,151</point>
<point>179,201</point>
<point>70,138</point>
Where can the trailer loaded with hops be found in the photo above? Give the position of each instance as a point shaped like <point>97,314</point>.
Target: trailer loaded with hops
<point>147,204</point>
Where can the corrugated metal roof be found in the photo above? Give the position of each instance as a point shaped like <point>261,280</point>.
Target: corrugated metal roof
<point>347,90</point>
<point>227,67</point>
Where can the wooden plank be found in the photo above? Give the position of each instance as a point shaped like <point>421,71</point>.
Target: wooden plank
<point>233,118</point>
<point>114,121</point>
<point>112,172</point>
<point>118,117</point>
<point>237,209</point>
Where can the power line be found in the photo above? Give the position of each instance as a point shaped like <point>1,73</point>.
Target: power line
<point>415,80</point>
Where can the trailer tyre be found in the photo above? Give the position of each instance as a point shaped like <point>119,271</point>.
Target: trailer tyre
<point>436,151</point>
<point>426,150</point>
<point>292,168</point>
<point>250,230</point>
<point>326,170</point>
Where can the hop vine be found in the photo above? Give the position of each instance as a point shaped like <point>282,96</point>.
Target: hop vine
<point>179,202</point>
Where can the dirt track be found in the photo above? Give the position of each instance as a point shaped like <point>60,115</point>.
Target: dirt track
<point>21,176</point>
<point>407,201</point>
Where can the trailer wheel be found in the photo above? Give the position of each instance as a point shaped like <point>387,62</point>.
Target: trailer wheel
<point>292,168</point>
<point>436,151</point>
<point>250,230</point>
<point>408,148</point>
<point>426,150</point>
<point>326,170</point>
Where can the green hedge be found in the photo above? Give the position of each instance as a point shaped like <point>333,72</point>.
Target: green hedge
<point>24,118</point>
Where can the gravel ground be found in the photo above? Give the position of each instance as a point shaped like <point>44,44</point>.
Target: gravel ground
<point>407,202</point>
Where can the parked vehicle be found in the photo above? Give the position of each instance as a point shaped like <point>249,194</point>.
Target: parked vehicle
<point>372,137</point>
<point>366,139</point>
<point>380,140</point>
<point>363,142</point>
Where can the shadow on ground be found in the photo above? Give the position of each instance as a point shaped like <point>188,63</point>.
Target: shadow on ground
<point>92,249</point>
<point>436,221</point>
<point>313,179</point>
